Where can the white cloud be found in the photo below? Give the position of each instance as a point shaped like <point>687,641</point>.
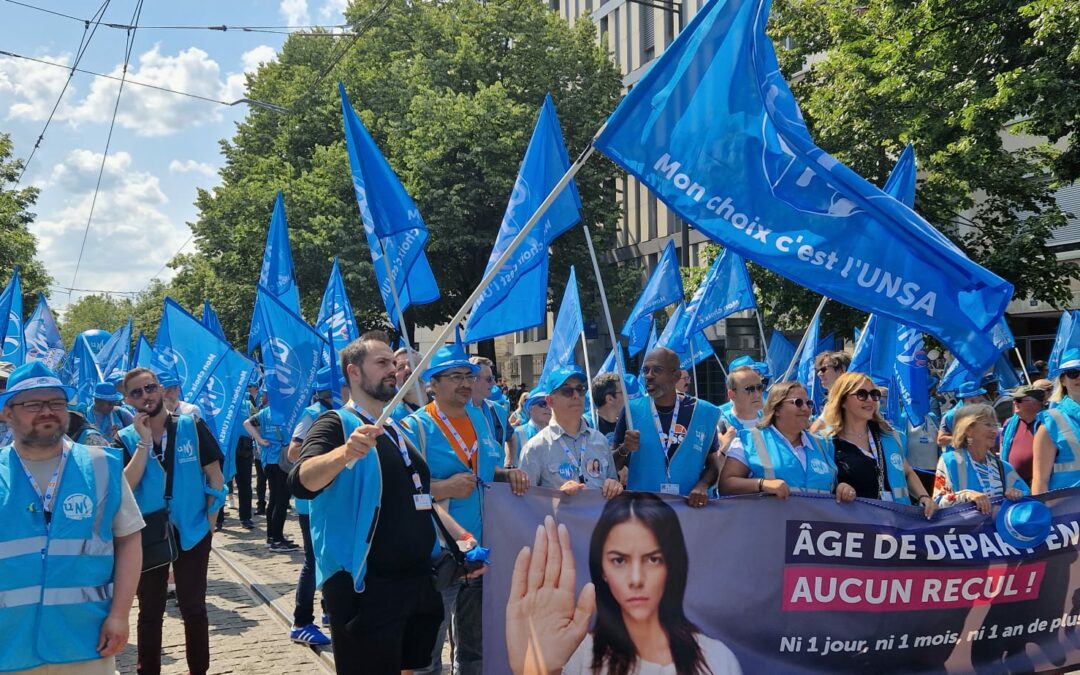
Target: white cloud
<point>236,84</point>
<point>295,12</point>
<point>33,87</point>
<point>333,10</point>
<point>130,237</point>
<point>191,166</point>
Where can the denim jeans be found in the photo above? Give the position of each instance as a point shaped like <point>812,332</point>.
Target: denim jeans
<point>463,624</point>
<point>304,613</point>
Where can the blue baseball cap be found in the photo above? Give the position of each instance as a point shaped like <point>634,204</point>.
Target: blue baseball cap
<point>1024,523</point>
<point>743,360</point>
<point>496,394</point>
<point>535,396</point>
<point>167,379</point>
<point>30,376</point>
<point>560,375</point>
<point>447,357</point>
<point>106,391</point>
<point>969,390</point>
<point>322,379</point>
<point>1069,360</point>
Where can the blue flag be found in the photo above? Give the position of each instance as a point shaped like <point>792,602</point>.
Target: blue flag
<point>43,341</point>
<point>143,356</point>
<point>649,346</point>
<point>291,357</point>
<point>955,376</point>
<point>517,298</point>
<point>13,340</point>
<point>1067,337</point>
<point>609,364</point>
<point>805,373</point>
<point>691,346</point>
<point>568,328</point>
<point>725,290</point>
<point>1005,373</point>
<point>80,370</point>
<point>875,352</point>
<point>912,374</point>
<point>276,274</point>
<point>713,129</point>
<point>336,317</point>
<point>663,288</point>
<point>392,223</point>
<point>779,354</point>
<point>114,357</point>
<point>211,321</point>
<point>214,376</point>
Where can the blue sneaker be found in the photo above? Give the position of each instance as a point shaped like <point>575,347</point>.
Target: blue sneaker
<point>325,620</point>
<point>309,635</point>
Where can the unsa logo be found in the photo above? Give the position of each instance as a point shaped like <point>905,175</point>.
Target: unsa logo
<point>818,466</point>
<point>286,369</point>
<point>185,451</point>
<point>897,463</point>
<point>78,507</point>
<point>213,396</point>
<point>12,331</point>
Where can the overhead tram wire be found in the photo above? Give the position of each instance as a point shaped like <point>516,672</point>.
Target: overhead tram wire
<point>84,44</point>
<point>128,48</point>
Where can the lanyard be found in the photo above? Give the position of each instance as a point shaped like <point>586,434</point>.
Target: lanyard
<point>665,438</point>
<point>574,459</point>
<point>396,440</point>
<point>465,450</point>
<point>49,495</point>
<point>879,461</point>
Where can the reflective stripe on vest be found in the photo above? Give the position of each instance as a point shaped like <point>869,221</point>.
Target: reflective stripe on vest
<point>77,595</point>
<point>1070,440</point>
<point>18,547</point>
<point>767,465</point>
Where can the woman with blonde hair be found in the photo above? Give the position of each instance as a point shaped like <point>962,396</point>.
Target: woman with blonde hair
<point>1056,450</point>
<point>868,451</point>
<point>779,456</point>
<point>973,472</point>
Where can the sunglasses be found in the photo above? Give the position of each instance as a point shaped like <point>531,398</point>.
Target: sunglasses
<point>863,394</point>
<point>570,389</point>
<point>138,392</point>
<point>1072,373</point>
<point>753,388</point>
<point>800,402</point>
<point>540,404</point>
<point>824,368</point>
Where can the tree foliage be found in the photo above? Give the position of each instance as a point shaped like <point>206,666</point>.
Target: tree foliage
<point>450,92</point>
<point>17,245</point>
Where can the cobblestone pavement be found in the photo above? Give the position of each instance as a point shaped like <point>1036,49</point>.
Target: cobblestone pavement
<point>247,635</point>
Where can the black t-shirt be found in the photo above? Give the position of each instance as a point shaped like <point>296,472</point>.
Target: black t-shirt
<point>858,470</point>
<point>404,537</point>
<point>686,412</point>
<point>209,450</point>
<point>607,428</point>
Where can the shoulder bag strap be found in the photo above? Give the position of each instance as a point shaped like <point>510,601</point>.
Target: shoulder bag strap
<point>170,457</point>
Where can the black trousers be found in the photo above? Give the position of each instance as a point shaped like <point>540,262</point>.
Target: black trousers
<point>260,485</point>
<point>242,479</point>
<point>278,504</point>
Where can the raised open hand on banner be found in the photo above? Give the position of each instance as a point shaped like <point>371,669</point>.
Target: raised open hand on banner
<point>543,623</point>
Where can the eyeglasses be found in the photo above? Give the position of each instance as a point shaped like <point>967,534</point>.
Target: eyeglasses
<point>540,404</point>
<point>824,368</point>
<point>458,378</point>
<point>654,370</point>
<point>800,402</point>
<point>753,388</point>
<point>34,407</point>
<point>569,390</point>
<point>1072,373</point>
<point>489,379</point>
<point>863,394</point>
<point>138,392</point>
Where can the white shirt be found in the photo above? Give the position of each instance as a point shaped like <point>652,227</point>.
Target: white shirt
<point>738,453</point>
<point>719,659</point>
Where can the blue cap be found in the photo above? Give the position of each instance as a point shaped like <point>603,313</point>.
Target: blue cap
<point>116,378</point>
<point>535,396</point>
<point>1024,523</point>
<point>1069,360</point>
<point>168,379</point>
<point>496,394</point>
<point>322,379</point>
<point>30,376</point>
<point>970,389</point>
<point>450,356</point>
<point>558,377</point>
<point>106,391</point>
<point>743,360</point>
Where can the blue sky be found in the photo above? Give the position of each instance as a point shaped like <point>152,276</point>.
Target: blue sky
<point>163,146</point>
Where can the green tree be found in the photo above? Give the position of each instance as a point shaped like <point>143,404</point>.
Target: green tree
<point>105,312</point>
<point>450,92</point>
<point>17,245</point>
<point>955,78</point>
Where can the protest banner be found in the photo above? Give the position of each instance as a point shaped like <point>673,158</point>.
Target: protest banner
<point>805,584</point>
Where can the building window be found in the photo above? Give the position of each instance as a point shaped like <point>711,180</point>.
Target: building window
<point>650,214</point>
<point>648,34</point>
<point>617,34</point>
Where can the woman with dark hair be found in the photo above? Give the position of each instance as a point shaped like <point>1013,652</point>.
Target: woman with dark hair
<point>638,564</point>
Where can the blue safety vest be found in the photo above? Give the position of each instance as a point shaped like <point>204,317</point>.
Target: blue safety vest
<point>345,515</point>
<point>892,445</point>
<point>649,466</point>
<point>56,583</point>
<point>312,412</point>
<point>963,476</point>
<point>731,419</point>
<point>524,433</point>
<point>112,424</point>
<point>443,460</point>
<point>496,417</point>
<point>187,508</point>
<point>278,436</point>
<point>768,456</point>
<point>949,416</point>
<point>1008,433</point>
<point>1063,426</point>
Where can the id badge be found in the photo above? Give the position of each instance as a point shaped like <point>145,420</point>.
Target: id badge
<point>422,502</point>
<point>669,488</point>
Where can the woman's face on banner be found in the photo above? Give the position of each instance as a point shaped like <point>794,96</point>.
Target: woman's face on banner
<point>635,569</point>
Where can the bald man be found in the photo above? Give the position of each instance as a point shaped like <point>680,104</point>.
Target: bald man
<point>673,448</point>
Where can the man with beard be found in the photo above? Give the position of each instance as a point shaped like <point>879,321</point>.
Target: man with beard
<point>463,455</point>
<point>64,606</point>
<point>174,457</point>
<point>673,449</point>
<point>371,525</point>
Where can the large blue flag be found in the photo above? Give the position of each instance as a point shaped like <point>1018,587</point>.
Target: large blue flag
<point>43,341</point>
<point>608,366</point>
<point>805,373</point>
<point>691,345</point>
<point>1067,337</point>
<point>955,376</point>
<point>392,223</point>
<point>912,374</point>
<point>80,370</point>
<point>663,288</point>
<point>213,375</point>
<point>276,274</point>
<point>335,313</point>
<point>779,355</point>
<point>517,298</point>
<point>114,357</point>
<point>568,328</point>
<point>291,356</point>
<point>713,129</point>
<point>1005,373</point>
<point>13,339</point>
<point>725,290</point>
<point>210,320</point>
<point>143,356</point>
<point>875,352</point>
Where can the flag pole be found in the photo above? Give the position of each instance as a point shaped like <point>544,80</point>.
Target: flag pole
<point>806,334</point>
<point>620,367</point>
<point>401,322</point>
<point>588,374</point>
<point>1023,368</point>
<point>693,369</point>
<point>761,330</point>
<point>722,368</point>
<point>488,278</point>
